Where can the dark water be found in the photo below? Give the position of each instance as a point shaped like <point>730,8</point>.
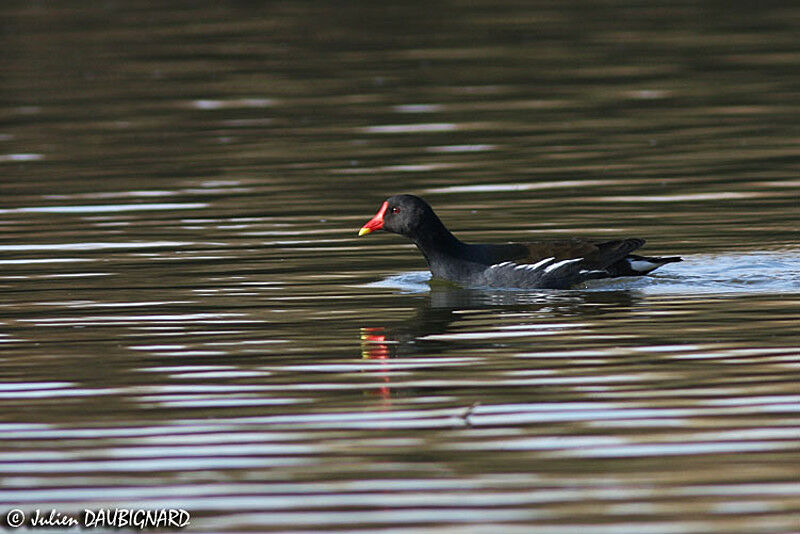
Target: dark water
<point>189,321</point>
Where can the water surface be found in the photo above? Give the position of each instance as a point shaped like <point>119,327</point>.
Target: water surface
<point>190,321</point>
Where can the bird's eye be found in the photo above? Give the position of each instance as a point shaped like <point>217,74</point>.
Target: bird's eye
<point>395,209</point>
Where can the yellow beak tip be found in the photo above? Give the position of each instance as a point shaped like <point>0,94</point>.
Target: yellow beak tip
<point>364,231</point>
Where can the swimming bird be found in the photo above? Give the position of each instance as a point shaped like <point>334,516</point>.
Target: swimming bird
<point>557,264</point>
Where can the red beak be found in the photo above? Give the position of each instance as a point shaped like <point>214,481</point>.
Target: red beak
<point>376,223</point>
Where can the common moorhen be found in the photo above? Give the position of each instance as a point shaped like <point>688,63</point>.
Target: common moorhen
<point>545,264</point>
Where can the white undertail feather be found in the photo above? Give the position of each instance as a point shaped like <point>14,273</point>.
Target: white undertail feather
<point>642,266</point>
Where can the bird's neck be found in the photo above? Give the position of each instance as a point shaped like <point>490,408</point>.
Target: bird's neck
<point>442,250</point>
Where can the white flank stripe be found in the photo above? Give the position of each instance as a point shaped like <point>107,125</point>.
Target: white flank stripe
<point>541,263</point>
<point>560,264</point>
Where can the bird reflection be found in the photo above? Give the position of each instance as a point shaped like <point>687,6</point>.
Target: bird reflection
<point>438,311</point>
